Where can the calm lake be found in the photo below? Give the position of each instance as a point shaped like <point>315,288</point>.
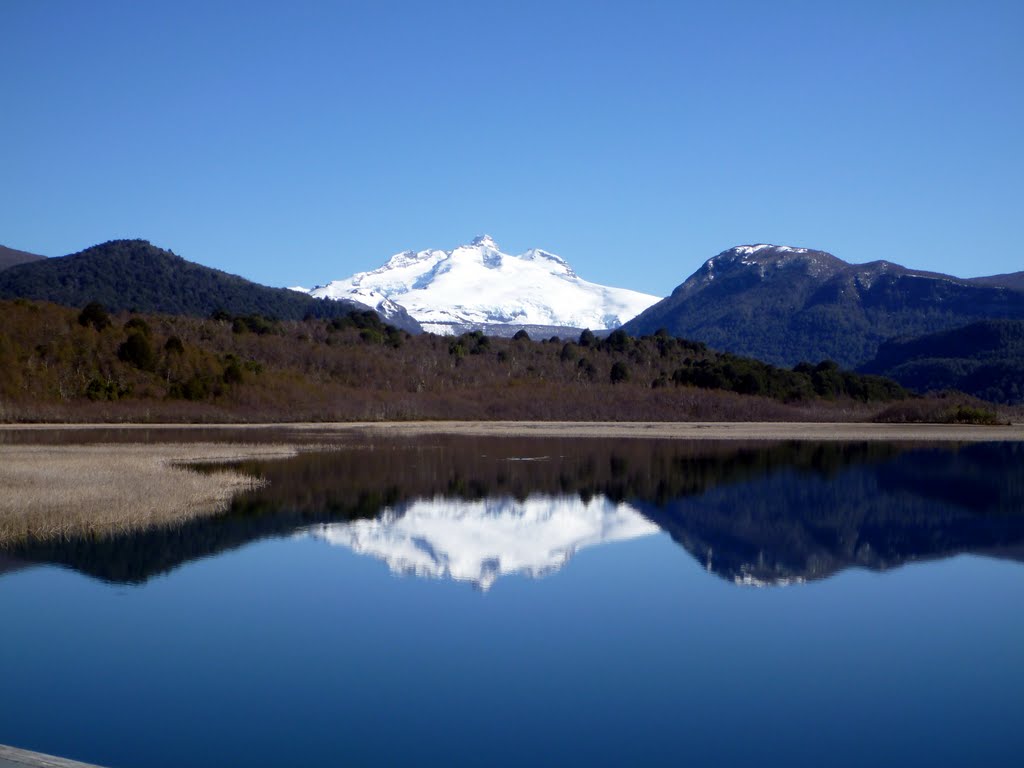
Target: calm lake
<point>480,601</point>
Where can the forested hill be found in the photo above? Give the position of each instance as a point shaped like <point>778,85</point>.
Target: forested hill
<point>984,359</point>
<point>10,257</point>
<point>136,275</point>
<point>784,305</point>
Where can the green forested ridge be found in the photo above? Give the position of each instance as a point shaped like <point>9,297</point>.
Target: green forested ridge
<point>135,275</point>
<point>55,361</point>
<point>984,359</point>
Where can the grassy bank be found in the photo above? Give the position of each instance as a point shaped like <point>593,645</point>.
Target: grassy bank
<point>94,490</point>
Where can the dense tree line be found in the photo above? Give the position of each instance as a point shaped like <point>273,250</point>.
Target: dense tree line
<point>984,359</point>
<point>55,359</point>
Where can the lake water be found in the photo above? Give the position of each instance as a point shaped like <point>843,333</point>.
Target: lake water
<point>460,601</point>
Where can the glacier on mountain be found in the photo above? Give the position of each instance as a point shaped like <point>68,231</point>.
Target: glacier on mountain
<point>479,541</point>
<point>477,285</point>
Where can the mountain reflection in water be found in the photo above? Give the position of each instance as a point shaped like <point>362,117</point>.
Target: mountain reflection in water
<point>465,508</point>
<point>478,541</point>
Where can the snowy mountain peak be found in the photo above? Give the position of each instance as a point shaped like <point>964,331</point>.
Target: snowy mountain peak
<point>746,250</point>
<point>765,255</point>
<point>764,259</point>
<point>750,250</point>
<point>486,241</point>
<point>477,286</point>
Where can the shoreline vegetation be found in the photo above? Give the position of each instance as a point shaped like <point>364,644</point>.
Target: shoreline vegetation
<point>770,431</point>
<point>60,364</point>
<point>68,491</point>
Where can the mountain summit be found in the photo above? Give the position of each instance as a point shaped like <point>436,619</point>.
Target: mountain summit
<point>784,305</point>
<point>478,286</point>
<point>484,240</point>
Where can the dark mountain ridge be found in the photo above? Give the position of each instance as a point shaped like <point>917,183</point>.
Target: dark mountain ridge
<point>786,305</point>
<point>1012,280</point>
<point>136,275</point>
<point>10,257</point>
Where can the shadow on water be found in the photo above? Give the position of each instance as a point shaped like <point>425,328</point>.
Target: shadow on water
<point>751,514</point>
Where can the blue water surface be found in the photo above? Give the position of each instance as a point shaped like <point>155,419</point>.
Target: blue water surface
<point>289,651</point>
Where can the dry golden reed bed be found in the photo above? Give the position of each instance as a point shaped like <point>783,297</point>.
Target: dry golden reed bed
<point>94,490</point>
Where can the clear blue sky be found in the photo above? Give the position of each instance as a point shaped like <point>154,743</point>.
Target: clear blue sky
<point>297,142</point>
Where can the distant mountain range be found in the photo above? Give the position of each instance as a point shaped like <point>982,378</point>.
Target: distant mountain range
<point>785,305</point>
<point>779,304</point>
<point>478,287</point>
<point>984,359</point>
<point>9,257</point>
<point>136,275</point>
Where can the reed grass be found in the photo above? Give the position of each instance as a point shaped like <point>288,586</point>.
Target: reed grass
<point>54,492</point>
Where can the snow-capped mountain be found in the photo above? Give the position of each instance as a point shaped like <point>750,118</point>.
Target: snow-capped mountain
<point>478,541</point>
<point>477,286</point>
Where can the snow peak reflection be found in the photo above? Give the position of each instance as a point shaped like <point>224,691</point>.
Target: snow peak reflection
<point>480,540</point>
